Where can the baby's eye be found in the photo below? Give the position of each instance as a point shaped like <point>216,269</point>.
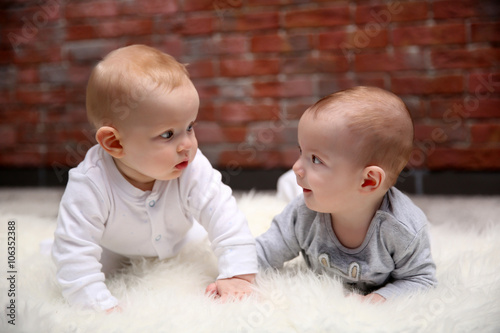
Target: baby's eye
<point>167,134</point>
<point>190,127</point>
<point>316,160</point>
<point>300,150</point>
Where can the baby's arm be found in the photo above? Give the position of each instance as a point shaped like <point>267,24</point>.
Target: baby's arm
<point>280,244</point>
<point>414,268</point>
<point>76,251</point>
<point>211,203</point>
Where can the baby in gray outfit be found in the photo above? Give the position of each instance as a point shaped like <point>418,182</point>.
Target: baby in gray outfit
<point>350,221</point>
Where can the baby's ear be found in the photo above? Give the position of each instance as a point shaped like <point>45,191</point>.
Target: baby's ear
<point>373,178</point>
<point>109,139</point>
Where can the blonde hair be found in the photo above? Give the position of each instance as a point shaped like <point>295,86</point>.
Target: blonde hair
<point>125,77</point>
<point>380,122</point>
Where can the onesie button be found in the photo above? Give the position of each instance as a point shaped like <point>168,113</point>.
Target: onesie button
<point>158,238</point>
<point>152,203</point>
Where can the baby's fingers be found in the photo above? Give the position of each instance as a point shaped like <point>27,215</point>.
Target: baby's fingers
<point>211,289</point>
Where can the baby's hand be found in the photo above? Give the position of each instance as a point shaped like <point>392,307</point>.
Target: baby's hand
<point>370,298</point>
<point>374,298</point>
<point>238,287</point>
<point>115,309</point>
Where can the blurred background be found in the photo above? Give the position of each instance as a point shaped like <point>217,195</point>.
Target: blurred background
<point>257,65</point>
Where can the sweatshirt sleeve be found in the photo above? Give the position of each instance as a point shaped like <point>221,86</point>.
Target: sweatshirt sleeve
<point>414,268</point>
<point>212,204</point>
<point>280,243</point>
<point>76,251</point>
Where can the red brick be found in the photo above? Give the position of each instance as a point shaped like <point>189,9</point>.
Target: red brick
<point>331,63</point>
<point>250,22</point>
<point>464,58</point>
<point>150,7</point>
<point>237,112</point>
<point>248,156</point>
<point>464,8</point>
<point>35,55</point>
<point>321,17</point>
<point>124,27</point>
<point>327,86</point>
<point>7,97</point>
<point>23,156</point>
<point>485,133</point>
<point>280,43</point>
<point>91,9</point>
<point>79,74</point>
<point>426,85</point>
<point>9,136</point>
<point>266,135</point>
<point>89,50</point>
<point>262,2</point>
<point>484,84</point>
<point>172,45</point>
<point>289,88</point>
<point>197,5</point>
<point>31,13</point>
<point>81,31</point>
<point>485,32</point>
<point>27,75</point>
<point>210,133</point>
<point>60,156</point>
<point>31,96</point>
<point>202,68</point>
<point>242,67</point>
<point>416,106</point>
<point>441,134</point>
<point>216,45</point>
<point>455,110</point>
<point>324,62</point>
<point>394,12</point>
<point>429,35</point>
<point>270,43</point>
<point>388,62</point>
<point>65,115</point>
<point>199,25</point>
<point>206,89</point>
<point>359,39</point>
<point>206,112</point>
<point>20,115</point>
<point>371,79</point>
<point>231,45</point>
<point>468,159</point>
<point>295,108</point>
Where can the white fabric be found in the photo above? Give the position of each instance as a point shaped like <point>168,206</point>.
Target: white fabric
<point>168,295</point>
<point>287,187</point>
<point>100,209</point>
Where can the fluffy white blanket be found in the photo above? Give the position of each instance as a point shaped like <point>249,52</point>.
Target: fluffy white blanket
<point>168,296</point>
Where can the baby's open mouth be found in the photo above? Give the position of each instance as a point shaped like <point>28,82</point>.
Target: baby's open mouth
<point>182,165</point>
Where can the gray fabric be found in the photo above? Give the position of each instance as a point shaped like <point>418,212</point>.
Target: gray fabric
<point>394,258</point>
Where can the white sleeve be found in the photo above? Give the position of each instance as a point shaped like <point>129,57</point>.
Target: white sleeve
<point>76,251</point>
<point>211,203</point>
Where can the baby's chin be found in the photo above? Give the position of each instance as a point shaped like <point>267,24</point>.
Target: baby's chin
<point>315,207</point>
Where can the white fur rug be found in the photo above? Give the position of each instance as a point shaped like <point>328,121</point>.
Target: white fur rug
<point>168,296</point>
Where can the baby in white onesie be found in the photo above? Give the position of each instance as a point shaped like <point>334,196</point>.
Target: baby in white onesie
<point>145,188</point>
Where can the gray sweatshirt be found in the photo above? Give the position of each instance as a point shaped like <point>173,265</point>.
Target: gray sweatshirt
<point>394,258</point>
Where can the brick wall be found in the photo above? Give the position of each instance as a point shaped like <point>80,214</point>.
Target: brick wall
<point>257,64</point>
